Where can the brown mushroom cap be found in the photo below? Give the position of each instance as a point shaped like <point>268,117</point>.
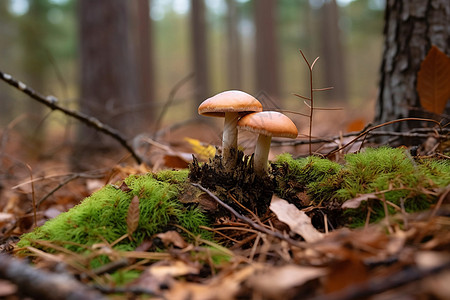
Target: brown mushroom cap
<point>229,101</point>
<point>269,123</point>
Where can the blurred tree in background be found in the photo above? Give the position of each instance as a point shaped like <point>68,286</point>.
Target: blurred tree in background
<point>125,57</point>
<point>411,28</point>
<point>112,67</point>
<point>266,49</point>
<point>199,51</point>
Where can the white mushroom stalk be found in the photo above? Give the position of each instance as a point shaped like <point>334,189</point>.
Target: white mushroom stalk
<point>260,160</point>
<point>267,124</point>
<point>230,134</point>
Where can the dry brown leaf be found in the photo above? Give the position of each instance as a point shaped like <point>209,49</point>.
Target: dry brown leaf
<point>433,81</point>
<point>346,273</point>
<point>274,282</point>
<point>356,202</point>
<point>174,238</point>
<point>356,125</point>
<point>133,215</point>
<point>175,161</point>
<point>296,219</point>
<point>220,288</point>
<point>172,268</point>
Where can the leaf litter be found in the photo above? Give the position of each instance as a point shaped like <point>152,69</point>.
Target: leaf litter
<point>384,259</point>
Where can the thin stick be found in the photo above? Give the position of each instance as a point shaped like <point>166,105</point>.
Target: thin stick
<point>381,125</point>
<point>33,195</point>
<point>311,97</point>
<point>50,101</point>
<point>250,222</point>
<point>169,101</point>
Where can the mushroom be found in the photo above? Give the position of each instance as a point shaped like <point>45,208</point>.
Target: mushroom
<point>267,124</point>
<point>229,105</point>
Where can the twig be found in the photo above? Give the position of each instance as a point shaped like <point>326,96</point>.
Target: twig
<point>63,183</point>
<point>379,285</point>
<point>250,222</point>
<point>33,194</point>
<point>381,125</point>
<point>135,290</point>
<point>50,101</point>
<point>169,100</point>
<point>44,285</point>
<point>417,133</point>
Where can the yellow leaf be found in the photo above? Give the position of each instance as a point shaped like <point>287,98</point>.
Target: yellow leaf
<point>203,151</point>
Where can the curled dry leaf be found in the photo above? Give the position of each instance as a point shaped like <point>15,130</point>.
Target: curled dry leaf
<point>133,215</point>
<point>296,219</point>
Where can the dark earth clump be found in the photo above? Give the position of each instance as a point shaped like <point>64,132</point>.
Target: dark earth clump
<point>240,187</point>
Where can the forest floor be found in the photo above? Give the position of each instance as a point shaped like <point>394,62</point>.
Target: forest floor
<point>402,256</point>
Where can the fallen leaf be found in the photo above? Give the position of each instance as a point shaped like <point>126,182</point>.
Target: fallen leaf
<point>273,281</point>
<point>204,152</point>
<point>7,289</point>
<point>172,269</point>
<point>133,215</point>
<point>433,81</point>
<point>6,217</point>
<point>296,219</point>
<point>356,202</point>
<point>345,273</point>
<point>175,161</point>
<point>174,238</point>
<point>222,288</point>
<point>356,125</point>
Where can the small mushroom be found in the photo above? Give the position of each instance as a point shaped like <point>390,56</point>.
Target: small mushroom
<point>267,124</point>
<point>229,105</point>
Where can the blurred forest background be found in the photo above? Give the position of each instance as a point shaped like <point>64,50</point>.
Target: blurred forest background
<point>121,60</point>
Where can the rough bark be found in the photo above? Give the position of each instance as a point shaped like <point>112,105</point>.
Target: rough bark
<point>199,52</point>
<point>267,73</point>
<point>411,28</point>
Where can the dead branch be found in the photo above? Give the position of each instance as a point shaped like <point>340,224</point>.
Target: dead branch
<point>250,222</point>
<point>383,284</point>
<point>415,133</point>
<point>50,101</point>
<point>39,284</point>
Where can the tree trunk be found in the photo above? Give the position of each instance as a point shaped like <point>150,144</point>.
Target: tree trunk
<point>411,28</point>
<point>109,78</point>
<point>34,62</point>
<point>234,57</point>
<point>332,53</point>
<point>199,52</point>
<point>267,74</point>
<point>141,31</point>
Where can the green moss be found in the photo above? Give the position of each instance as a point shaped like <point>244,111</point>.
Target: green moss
<point>102,216</point>
<point>317,176</point>
<point>390,173</point>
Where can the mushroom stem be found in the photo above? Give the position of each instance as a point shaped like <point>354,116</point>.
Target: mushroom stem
<point>262,154</point>
<point>229,139</point>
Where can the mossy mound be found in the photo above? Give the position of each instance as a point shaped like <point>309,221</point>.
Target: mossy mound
<point>102,217</point>
<point>389,172</point>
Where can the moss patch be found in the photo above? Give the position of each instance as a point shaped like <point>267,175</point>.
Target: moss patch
<point>389,172</point>
<point>102,216</point>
